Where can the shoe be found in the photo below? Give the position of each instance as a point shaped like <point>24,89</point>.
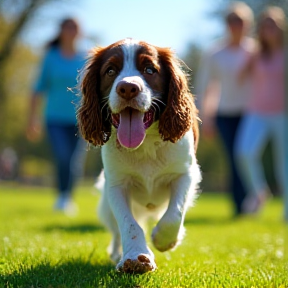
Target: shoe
<point>65,204</point>
<point>253,203</point>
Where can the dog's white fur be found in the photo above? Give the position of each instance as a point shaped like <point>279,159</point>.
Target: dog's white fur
<point>158,179</point>
<point>143,183</point>
<point>143,101</point>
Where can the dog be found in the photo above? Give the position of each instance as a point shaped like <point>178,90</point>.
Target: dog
<point>136,103</point>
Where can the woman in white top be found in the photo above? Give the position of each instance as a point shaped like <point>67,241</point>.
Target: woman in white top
<point>222,99</point>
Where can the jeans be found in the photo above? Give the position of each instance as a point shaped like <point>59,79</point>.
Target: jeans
<point>69,153</point>
<point>228,126</point>
<point>254,133</point>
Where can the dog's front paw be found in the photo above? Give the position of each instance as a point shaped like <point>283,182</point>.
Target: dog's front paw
<point>167,234</point>
<point>139,264</point>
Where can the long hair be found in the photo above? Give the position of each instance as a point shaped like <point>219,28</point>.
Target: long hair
<point>277,15</point>
<point>56,41</point>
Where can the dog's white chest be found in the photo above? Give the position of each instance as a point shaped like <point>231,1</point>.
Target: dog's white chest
<point>147,172</point>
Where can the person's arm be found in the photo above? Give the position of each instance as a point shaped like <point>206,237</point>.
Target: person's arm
<point>247,69</point>
<point>34,127</point>
<point>207,94</point>
<point>33,130</point>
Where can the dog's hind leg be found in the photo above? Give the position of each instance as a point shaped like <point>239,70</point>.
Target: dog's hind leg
<point>107,218</point>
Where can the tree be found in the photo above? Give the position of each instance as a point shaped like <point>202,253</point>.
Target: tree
<point>25,10</point>
<point>17,65</point>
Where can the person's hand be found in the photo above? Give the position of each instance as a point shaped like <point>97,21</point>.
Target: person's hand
<point>34,130</point>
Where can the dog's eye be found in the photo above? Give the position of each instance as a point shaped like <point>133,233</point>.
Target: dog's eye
<point>111,72</point>
<point>149,70</point>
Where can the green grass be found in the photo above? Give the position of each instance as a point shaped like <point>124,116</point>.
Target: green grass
<point>40,248</point>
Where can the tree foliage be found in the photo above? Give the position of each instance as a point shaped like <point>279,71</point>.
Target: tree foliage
<point>18,73</point>
<point>17,69</point>
<point>17,64</point>
<point>22,11</point>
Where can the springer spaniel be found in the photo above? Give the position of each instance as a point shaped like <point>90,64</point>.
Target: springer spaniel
<point>137,102</point>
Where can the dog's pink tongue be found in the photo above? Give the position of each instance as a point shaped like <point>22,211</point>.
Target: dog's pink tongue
<point>131,130</point>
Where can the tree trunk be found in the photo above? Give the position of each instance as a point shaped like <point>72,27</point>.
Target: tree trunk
<point>6,48</point>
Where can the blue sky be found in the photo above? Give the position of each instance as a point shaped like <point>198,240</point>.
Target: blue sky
<point>170,23</point>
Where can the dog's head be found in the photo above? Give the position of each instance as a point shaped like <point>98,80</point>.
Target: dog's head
<point>129,85</point>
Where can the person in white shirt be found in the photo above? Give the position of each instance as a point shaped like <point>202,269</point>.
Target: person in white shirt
<point>222,99</point>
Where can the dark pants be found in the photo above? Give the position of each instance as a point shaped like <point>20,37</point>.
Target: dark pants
<point>69,154</point>
<point>227,127</point>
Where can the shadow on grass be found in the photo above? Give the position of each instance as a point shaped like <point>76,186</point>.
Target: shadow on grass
<point>72,273</point>
<point>199,221</point>
<point>74,228</point>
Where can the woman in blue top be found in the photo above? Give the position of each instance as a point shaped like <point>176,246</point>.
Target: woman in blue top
<point>58,73</point>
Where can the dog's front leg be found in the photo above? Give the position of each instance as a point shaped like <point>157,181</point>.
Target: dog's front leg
<point>137,257</point>
<point>170,230</point>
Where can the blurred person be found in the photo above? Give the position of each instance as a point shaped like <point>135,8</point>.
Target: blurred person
<point>222,99</point>
<point>58,72</point>
<point>9,164</point>
<point>265,116</point>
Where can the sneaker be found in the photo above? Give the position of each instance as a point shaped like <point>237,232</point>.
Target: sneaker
<point>65,204</point>
<point>253,203</point>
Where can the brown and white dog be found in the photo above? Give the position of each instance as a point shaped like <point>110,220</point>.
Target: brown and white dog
<point>136,101</point>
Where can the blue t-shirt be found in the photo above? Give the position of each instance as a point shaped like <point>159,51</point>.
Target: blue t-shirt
<point>57,75</point>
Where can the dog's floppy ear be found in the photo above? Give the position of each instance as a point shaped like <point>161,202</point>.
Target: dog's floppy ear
<point>180,114</point>
<point>94,124</point>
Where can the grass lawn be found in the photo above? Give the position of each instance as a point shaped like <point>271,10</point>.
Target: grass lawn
<point>41,248</point>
